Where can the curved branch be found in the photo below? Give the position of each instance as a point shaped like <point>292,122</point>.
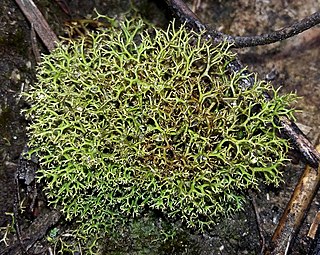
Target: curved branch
<point>186,15</point>
<point>279,35</point>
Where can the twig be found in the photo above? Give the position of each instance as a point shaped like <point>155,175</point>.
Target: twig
<point>290,129</point>
<point>295,211</point>
<point>35,49</point>
<point>39,23</point>
<point>314,226</point>
<point>259,223</point>
<point>279,35</point>
<point>300,141</point>
<point>314,233</point>
<point>186,15</point>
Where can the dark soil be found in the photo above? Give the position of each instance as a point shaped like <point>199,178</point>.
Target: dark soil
<point>292,64</point>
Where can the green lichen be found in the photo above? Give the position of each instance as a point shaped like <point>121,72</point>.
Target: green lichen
<point>133,118</point>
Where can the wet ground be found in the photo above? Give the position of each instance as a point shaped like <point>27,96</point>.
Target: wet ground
<point>292,64</point>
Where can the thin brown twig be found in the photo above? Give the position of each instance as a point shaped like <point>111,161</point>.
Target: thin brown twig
<point>290,129</point>
<point>258,220</point>
<point>296,211</point>
<point>279,35</point>
<point>186,15</point>
<point>39,23</point>
<point>35,49</point>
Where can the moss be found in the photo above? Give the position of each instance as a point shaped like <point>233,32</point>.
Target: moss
<point>134,118</point>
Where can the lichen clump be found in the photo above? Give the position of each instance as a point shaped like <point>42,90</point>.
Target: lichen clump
<point>133,118</point>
